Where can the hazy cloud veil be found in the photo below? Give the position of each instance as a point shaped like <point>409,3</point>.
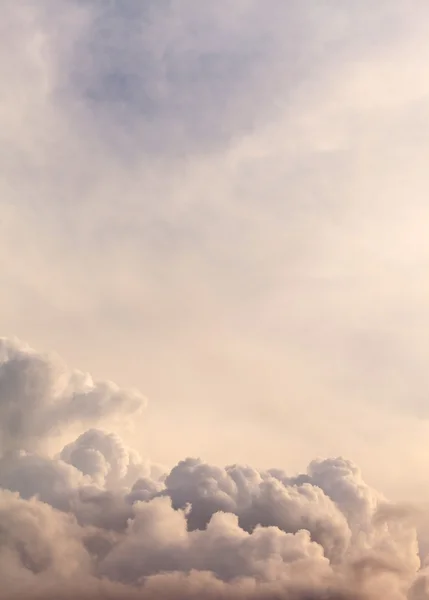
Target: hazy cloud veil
<point>223,204</point>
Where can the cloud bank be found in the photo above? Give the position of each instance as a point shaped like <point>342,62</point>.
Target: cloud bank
<point>95,520</point>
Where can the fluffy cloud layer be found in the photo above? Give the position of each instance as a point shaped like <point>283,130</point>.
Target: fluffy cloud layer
<point>96,520</point>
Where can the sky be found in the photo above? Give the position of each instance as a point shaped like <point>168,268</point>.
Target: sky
<point>224,206</point>
<point>214,300</point>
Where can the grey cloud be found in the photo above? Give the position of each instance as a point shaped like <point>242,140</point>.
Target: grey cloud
<point>121,546</point>
<point>36,540</point>
<point>31,475</point>
<point>146,488</point>
<point>175,77</point>
<point>99,513</point>
<point>158,539</point>
<point>40,397</point>
<point>104,457</point>
<point>262,500</point>
<point>170,78</point>
<point>63,487</point>
<point>234,524</point>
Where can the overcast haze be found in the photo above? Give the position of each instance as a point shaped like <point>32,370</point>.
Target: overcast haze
<point>224,205</point>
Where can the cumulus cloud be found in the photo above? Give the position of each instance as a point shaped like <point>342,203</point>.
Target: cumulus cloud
<point>103,456</point>
<point>36,540</point>
<point>40,398</point>
<point>97,520</point>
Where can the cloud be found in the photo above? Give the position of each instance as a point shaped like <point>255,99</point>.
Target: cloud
<point>37,542</point>
<point>224,204</point>
<point>105,458</point>
<point>96,519</point>
<point>40,398</point>
<point>270,503</point>
<point>234,195</point>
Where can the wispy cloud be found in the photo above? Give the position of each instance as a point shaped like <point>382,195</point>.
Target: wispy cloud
<point>225,206</point>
